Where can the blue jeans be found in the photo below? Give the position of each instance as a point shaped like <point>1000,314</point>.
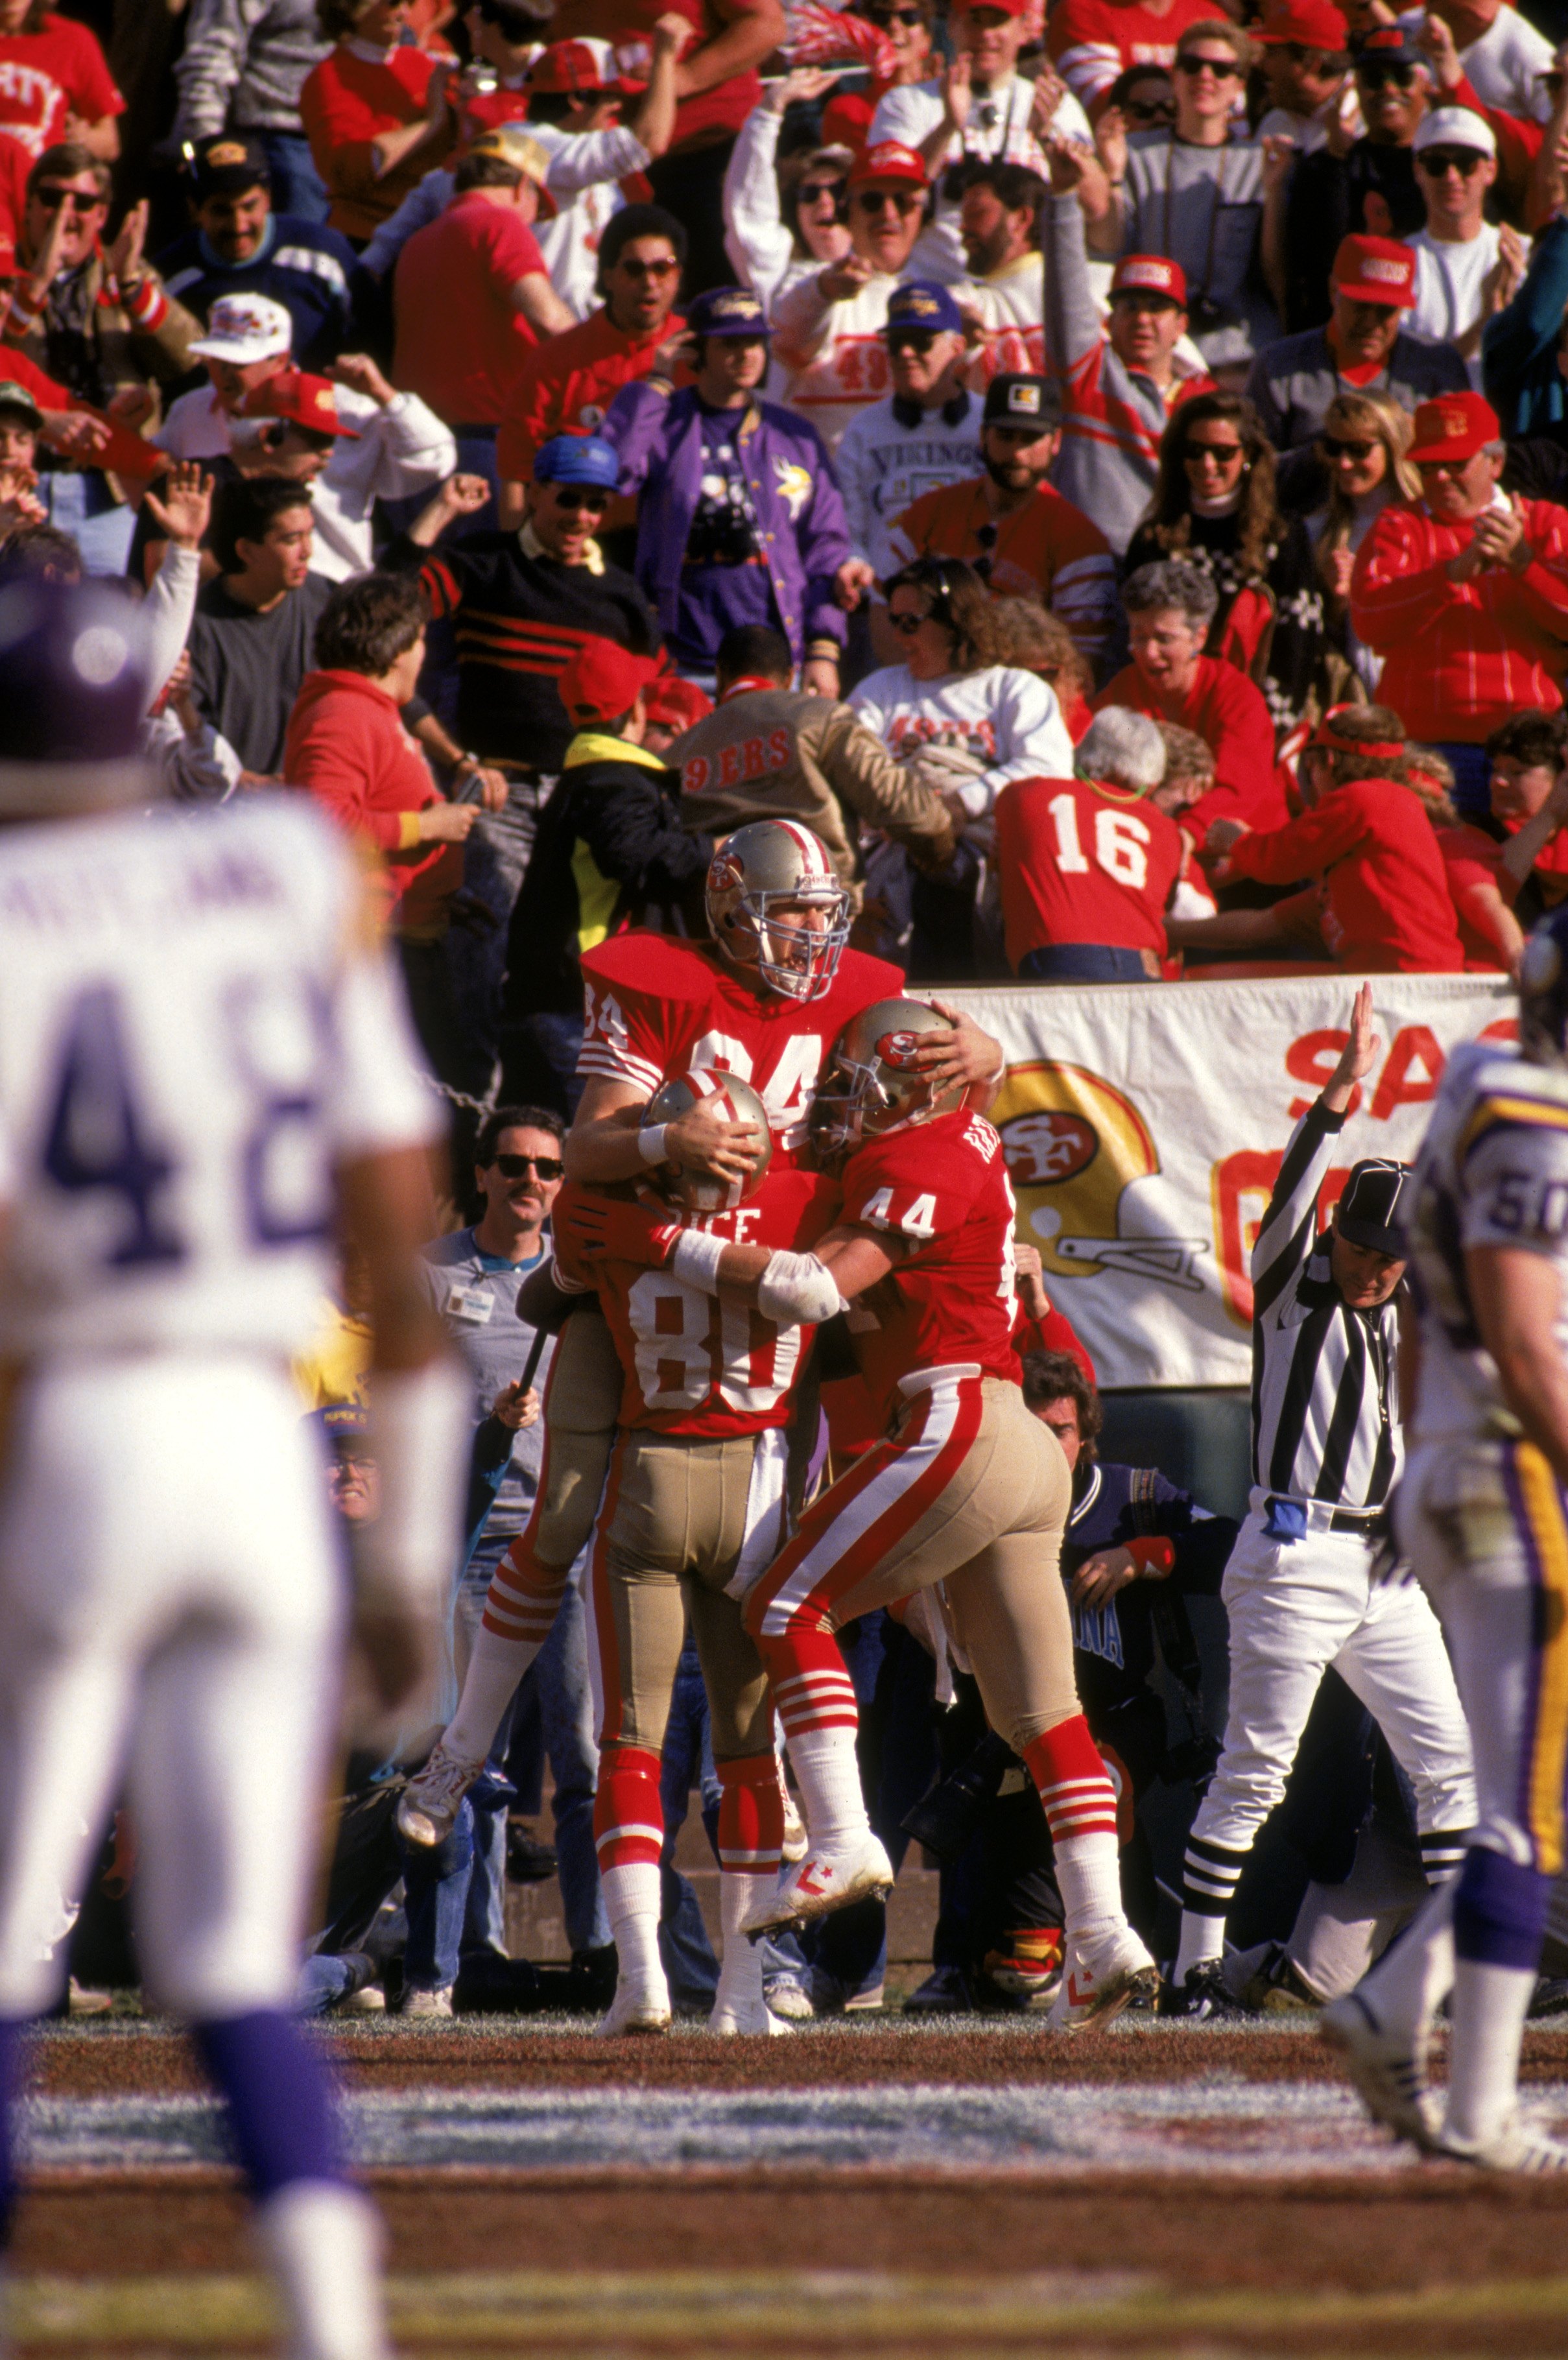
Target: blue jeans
<point>448,1894</point>
<point>297,186</point>
<point>687,1761</point>
<point>1081,963</point>
<point>81,503</point>
<point>1471,776</point>
<point>558,1680</point>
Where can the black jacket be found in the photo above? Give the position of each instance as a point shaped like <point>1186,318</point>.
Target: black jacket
<point>610,851</point>
<point>517,620</point>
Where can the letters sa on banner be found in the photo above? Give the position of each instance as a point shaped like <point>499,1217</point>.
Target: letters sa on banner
<point>1143,1125</point>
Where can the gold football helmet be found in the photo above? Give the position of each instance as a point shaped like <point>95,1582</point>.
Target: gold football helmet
<point>1075,1145</point>
<point>737,1101</point>
<point>873,1083</point>
<point>756,871</point>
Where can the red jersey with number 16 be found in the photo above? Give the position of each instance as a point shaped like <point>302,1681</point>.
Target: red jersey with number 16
<point>655,1006</point>
<point>694,1365</point>
<point>941,1188</point>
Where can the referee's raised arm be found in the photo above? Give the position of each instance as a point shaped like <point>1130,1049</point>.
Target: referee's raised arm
<point>1289,1226</point>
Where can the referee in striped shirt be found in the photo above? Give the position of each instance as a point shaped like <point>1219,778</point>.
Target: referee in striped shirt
<point>1297,1590</point>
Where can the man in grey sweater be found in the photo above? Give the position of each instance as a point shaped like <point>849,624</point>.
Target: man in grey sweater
<point>1119,383</point>
<point>243,65</point>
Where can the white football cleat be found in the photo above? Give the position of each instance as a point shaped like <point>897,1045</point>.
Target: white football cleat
<point>1389,2070</point>
<point>633,2014</point>
<point>747,2016</point>
<point>1100,1978</point>
<point>432,1799</point>
<point>1512,2148</point>
<point>822,1882</point>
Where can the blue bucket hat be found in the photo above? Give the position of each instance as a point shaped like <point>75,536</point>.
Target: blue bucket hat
<point>727,311</point>
<point>920,304</point>
<point>578,459</point>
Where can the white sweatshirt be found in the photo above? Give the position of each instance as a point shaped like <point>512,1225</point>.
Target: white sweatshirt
<point>882,466</point>
<point>1007,718</point>
<point>402,449</point>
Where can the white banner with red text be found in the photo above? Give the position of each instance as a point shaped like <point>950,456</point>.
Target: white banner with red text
<point>1144,1125</point>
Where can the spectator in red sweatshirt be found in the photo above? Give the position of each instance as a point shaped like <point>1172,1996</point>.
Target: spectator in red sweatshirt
<point>1464,594</point>
<point>375,110</point>
<point>1383,903</point>
<point>347,746</point>
<point>1169,607</point>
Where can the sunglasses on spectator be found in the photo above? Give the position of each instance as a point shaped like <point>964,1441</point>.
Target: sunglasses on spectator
<point>876,200</point>
<point>1438,162</point>
<point>1333,448</point>
<point>1222,69</point>
<point>576,502</point>
<point>896,16</point>
<point>1148,110</point>
<point>1380,77</point>
<point>907,622</point>
<point>809,190</point>
<point>52,197</point>
<point>519,1168</point>
<point>635,269</point>
<point>912,340</point>
<point>1222,453</point>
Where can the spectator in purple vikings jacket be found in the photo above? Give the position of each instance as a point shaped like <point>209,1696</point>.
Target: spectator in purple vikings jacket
<point>740,520</point>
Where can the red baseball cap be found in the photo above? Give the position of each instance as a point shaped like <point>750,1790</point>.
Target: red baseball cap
<point>1311,24</point>
<point>1455,426</point>
<point>304,401</point>
<point>889,160</point>
<point>677,703</point>
<point>1375,270</point>
<point>1150,274</point>
<point>602,680</point>
<point>571,67</point>
<point>1007,7</point>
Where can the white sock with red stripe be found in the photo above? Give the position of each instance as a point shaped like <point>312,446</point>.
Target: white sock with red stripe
<point>520,1607</point>
<point>629,1834</point>
<point>827,1771</point>
<point>751,1841</point>
<point>1080,1810</point>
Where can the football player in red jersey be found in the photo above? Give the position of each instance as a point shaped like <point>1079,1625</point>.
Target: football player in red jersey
<point>765,1005</point>
<point>967,1489</point>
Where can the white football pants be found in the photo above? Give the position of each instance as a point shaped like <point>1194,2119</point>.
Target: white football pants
<point>1295,1608</point>
<point>170,1608</point>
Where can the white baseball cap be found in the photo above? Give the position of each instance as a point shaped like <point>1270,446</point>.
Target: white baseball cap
<point>246,328</point>
<point>1455,126</point>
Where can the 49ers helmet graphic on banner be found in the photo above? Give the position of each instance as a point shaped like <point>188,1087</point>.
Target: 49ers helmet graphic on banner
<point>734,1101</point>
<point>872,1083</point>
<point>752,873</point>
<point>1075,1147</point>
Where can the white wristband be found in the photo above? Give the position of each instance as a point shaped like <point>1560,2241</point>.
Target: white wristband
<point>696,1260</point>
<point>798,1291</point>
<point>650,1141</point>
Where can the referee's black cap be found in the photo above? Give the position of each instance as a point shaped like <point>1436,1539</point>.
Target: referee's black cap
<point>1375,1207</point>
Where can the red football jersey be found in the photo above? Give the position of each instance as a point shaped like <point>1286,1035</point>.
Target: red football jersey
<point>692,1364</point>
<point>942,1187</point>
<point>1081,863</point>
<point>656,1006</point>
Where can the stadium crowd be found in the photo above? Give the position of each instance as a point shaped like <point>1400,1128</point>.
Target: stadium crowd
<point>1100,473</point>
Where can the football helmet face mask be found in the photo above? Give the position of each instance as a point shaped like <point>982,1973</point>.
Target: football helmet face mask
<point>775,904</point>
<point>1544,993</point>
<point>736,1101</point>
<point>873,1083</point>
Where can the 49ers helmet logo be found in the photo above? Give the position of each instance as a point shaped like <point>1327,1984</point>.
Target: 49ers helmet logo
<point>1041,1149</point>
<point>899,1050</point>
<point>1076,1149</point>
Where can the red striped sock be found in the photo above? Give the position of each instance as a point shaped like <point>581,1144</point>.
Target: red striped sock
<point>628,1817</point>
